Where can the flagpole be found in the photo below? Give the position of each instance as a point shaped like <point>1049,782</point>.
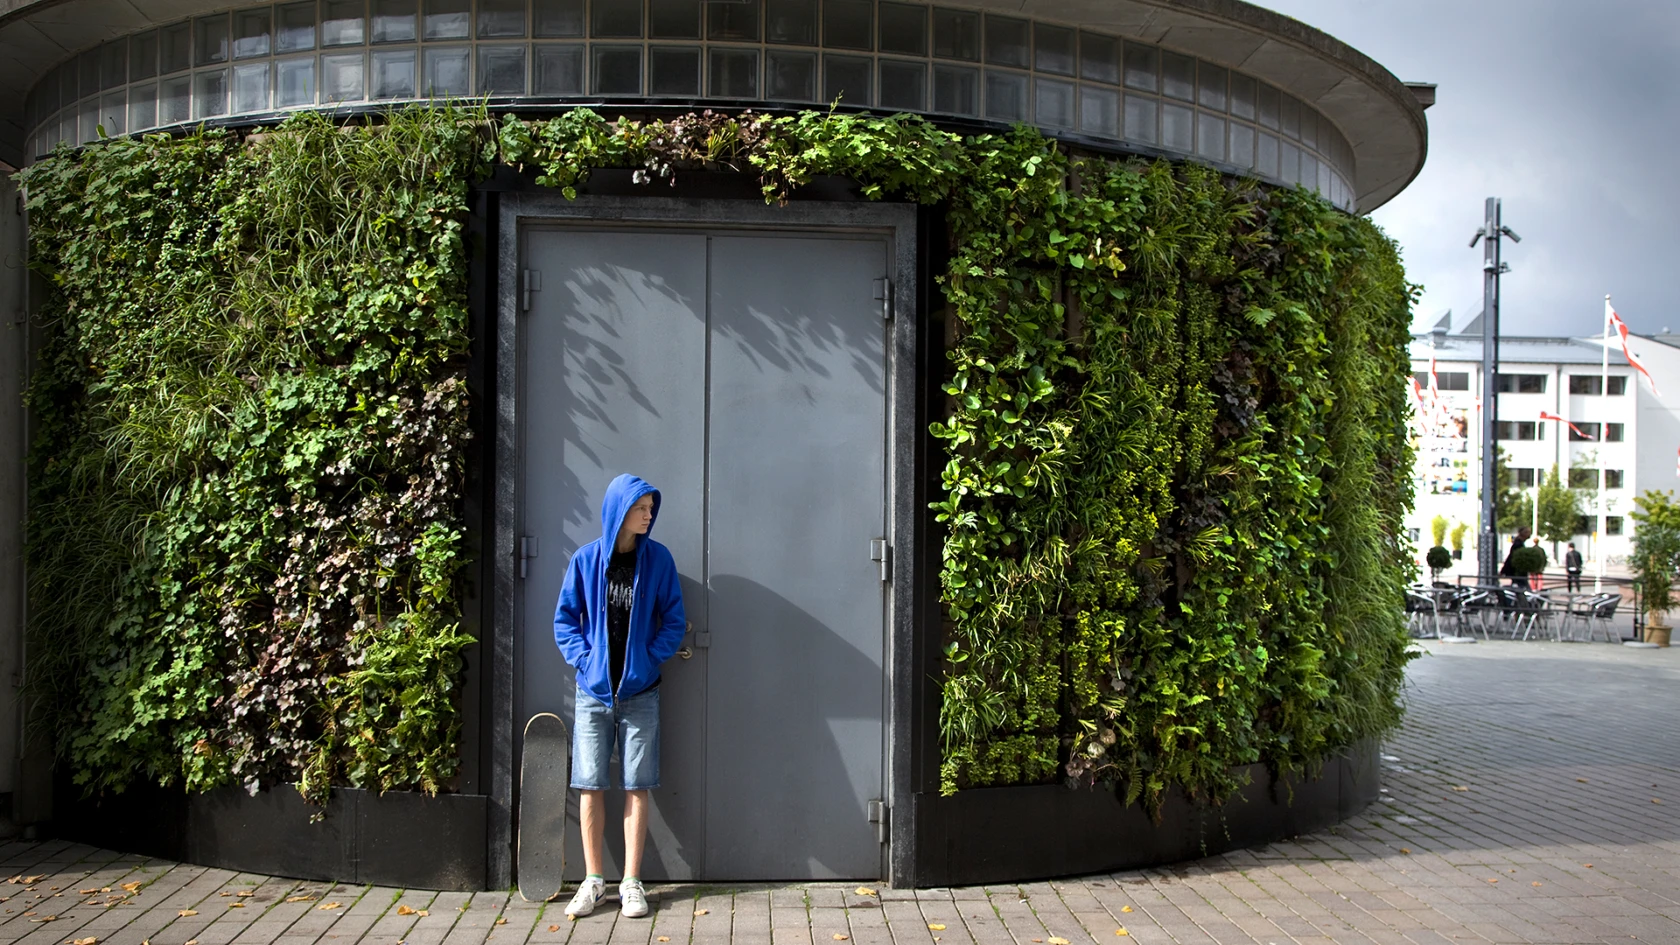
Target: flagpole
<point>1603,390</point>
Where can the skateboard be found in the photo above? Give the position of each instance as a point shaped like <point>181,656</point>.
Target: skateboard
<point>544,782</point>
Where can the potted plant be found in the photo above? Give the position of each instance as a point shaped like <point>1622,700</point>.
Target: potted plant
<point>1527,560</point>
<point>1458,539</point>
<point>1656,546</point>
<point>1438,560</point>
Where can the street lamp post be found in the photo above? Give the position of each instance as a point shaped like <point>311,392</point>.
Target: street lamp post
<point>1491,234</point>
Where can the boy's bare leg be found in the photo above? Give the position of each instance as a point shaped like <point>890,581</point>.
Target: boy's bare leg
<point>635,831</point>
<point>592,819</point>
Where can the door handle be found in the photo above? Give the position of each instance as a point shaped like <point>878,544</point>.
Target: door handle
<point>686,652</point>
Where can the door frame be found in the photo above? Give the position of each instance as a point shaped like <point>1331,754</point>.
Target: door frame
<point>897,224</point>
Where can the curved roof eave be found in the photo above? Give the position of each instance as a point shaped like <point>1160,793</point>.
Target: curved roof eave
<point>1378,115</point>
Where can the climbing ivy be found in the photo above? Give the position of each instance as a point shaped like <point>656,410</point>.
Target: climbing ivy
<point>1173,429</point>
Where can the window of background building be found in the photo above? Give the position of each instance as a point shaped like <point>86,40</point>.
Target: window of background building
<point>1518,430</point>
<point>1613,433</point>
<point>1584,524</point>
<point>1592,385</point>
<point>1587,431</point>
<point>1520,478</point>
<point>1520,383</point>
<point>1586,478</point>
<point>1450,380</point>
<point>1612,524</point>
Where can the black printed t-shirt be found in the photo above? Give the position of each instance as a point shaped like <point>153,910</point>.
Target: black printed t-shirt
<point>621,587</point>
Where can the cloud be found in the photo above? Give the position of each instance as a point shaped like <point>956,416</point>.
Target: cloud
<point>1567,112</point>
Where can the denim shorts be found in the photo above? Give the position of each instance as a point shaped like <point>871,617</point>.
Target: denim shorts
<point>632,727</point>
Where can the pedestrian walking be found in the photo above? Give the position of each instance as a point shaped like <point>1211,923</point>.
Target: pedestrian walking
<point>1572,569</point>
<point>620,616</point>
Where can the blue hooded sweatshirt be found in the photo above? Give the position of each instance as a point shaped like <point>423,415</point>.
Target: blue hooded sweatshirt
<point>657,623</point>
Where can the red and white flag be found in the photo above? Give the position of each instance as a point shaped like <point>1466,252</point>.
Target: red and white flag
<point>1621,329</point>
<point>1578,431</point>
<point>1434,382</point>
<point>1417,395</point>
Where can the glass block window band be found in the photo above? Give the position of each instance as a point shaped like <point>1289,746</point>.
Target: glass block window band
<point>891,55</point>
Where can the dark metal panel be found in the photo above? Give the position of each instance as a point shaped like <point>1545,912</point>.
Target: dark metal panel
<point>795,497</point>
<point>991,835</point>
<point>614,382</point>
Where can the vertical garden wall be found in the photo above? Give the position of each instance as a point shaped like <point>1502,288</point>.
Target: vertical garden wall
<point>1172,441</point>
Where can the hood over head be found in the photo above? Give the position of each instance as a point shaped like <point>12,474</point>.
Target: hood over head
<point>621,494</point>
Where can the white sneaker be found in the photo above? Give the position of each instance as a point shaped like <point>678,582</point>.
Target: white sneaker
<point>588,894</point>
<point>632,899</point>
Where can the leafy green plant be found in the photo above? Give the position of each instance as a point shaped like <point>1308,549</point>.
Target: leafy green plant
<point>1656,550</point>
<point>1438,530</point>
<point>1439,559</point>
<point>1558,506</point>
<point>1528,559</point>
<point>1458,531</point>
<point>1175,458</point>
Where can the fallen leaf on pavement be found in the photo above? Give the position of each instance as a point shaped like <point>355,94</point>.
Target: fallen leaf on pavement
<point>47,918</point>
<point>664,938</point>
<point>243,893</point>
<point>1059,941</point>
<point>554,928</point>
<point>1406,850</point>
<point>1458,787</point>
<point>423,913</point>
<point>405,910</point>
<point>501,920</point>
<point>186,912</point>
<point>131,887</point>
<point>300,898</point>
<point>1587,865</point>
<point>1655,800</point>
<point>839,937</point>
<point>1125,908</point>
<point>1583,780</point>
<point>864,891</point>
<point>34,879</point>
<point>701,911</point>
<point>1121,932</point>
<point>330,905</point>
<point>192,941</point>
<point>1535,883</point>
<point>1493,879</point>
<point>937,926</point>
<point>236,905</point>
<point>1038,940</point>
<point>224,893</point>
<point>90,940</point>
<point>87,892</point>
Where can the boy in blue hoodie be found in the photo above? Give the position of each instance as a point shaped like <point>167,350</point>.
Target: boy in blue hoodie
<point>620,616</point>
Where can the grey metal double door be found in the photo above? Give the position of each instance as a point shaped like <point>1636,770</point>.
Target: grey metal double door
<point>744,376</point>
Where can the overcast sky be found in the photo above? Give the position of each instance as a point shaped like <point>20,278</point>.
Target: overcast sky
<point>1565,109</point>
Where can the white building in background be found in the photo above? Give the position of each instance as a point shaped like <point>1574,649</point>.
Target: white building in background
<point>1625,430</point>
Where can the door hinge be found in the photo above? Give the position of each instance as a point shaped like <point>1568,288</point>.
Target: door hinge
<point>527,551</point>
<point>880,551</point>
<point>530,280</point>
<point>881,817</point>
<point>883,294</point>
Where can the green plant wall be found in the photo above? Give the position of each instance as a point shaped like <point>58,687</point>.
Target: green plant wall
<point>1175,459</point>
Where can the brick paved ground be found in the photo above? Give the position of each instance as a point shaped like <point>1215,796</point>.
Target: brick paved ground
<point>1534,796</point>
